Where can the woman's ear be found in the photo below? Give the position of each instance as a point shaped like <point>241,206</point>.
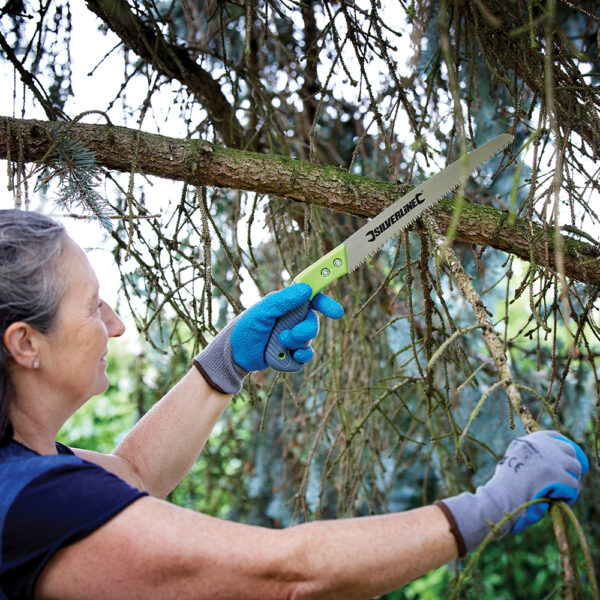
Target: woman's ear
<point>22,343</point>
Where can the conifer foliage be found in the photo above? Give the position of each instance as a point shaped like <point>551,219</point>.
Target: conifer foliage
<point>281,125</point>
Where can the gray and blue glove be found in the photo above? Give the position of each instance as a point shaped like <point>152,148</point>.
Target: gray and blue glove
<point>544,464</point>
<point>240,347</point>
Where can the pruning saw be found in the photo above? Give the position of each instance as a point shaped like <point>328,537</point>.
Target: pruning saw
<point>367,240</point>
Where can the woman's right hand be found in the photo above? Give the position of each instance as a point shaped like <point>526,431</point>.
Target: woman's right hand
<point>240,347</point>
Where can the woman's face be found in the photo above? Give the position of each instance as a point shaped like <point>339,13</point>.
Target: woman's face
<point>77,344</point>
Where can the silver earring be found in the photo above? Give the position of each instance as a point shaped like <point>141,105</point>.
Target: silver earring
<point>36,364</point>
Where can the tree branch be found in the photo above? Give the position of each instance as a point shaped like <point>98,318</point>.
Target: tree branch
<point>173,62</point>
<point>492,339</point>
<point>202,163</point>
<point>505,377</point>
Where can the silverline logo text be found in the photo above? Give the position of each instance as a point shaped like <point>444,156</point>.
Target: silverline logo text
<point>376,231</point>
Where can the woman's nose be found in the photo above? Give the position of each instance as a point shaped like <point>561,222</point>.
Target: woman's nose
<point>114,325</point>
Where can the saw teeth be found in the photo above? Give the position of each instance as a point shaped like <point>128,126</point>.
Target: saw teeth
<point>378,248</point>
<point>359,258</point>
<point>366,258</point>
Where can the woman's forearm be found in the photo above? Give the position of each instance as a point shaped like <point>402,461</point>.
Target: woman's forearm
<point>162,447</point>
<point>366,557</point>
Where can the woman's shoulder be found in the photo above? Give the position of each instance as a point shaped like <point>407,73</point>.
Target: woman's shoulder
<point>46,503</point>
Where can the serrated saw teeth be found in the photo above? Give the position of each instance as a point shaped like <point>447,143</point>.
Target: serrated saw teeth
<point>403,212</point>
<point>372,236</point>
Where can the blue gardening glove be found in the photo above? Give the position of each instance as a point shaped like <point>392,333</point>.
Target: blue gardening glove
<point>240,346</point>
<point>543,464</point>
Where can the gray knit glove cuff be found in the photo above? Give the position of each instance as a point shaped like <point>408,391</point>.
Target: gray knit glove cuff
<point>470,516</point>
<point>217,366</point>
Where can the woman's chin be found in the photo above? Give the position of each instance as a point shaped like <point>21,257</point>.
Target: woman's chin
<point>101,385</point>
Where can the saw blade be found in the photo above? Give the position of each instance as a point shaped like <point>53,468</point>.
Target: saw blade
<point>372,236</point>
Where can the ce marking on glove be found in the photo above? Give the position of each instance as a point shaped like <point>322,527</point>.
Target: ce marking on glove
<point>516,467</point>
<point>522,452</point>
<point>510,461</point>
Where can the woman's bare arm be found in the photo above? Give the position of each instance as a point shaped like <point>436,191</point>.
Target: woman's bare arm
<point>156,550</point>
<point>162,447</point>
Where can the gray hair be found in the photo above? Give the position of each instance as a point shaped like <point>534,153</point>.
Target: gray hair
<point>30,290</point>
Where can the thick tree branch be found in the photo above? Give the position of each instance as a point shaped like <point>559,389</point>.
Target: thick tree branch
<point>173,62</point>
<point>201,163</point>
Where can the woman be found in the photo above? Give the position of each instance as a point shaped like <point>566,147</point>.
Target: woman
<point>79,524</point>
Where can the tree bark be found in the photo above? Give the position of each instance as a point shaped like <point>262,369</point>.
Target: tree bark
<point>201,163</point>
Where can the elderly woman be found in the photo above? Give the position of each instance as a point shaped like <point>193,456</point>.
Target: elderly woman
<point>79,524</point>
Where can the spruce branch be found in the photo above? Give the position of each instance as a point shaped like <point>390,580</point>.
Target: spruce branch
<point>74,167</point>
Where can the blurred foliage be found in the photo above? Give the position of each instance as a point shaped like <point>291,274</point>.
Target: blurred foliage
<point>374,424</point>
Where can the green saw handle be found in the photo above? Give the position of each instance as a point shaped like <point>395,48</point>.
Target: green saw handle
<point>319,275</point>
<point>325,270</point>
